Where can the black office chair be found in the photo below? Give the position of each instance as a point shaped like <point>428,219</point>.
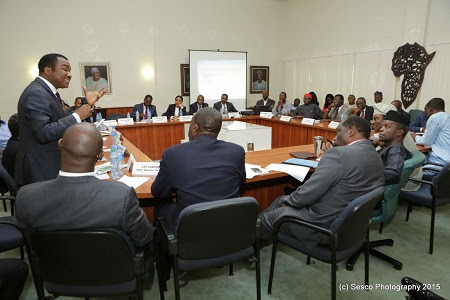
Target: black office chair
<point>91,263</point>
<point>213,234</point>
<point>431,194</point>
<point>347,234</point>
<point>8,182</point>
<point>386,210</point>
<point>115,117</point>
<point>11,236</point>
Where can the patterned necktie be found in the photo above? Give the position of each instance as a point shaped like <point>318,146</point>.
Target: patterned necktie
<point>146,112</point>
<point>60,100</point>
<point>362,114</point>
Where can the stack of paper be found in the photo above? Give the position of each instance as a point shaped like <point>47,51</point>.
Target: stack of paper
<point>254,170</point>
<point>298,172</point>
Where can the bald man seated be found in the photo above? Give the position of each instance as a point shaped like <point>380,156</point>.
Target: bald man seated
<point>76,199</point>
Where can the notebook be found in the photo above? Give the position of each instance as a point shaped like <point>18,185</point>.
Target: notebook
<point>301,162</point>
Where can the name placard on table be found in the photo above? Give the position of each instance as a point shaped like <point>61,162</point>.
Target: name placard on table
<point>185,118</point>
<point>285,118</point>
<point>308,121</point>
<point>159,120</point>
<point>266,115</point>
<point>145,168</point>
<point>333,124</point>
<point>110,123</point>
<point>234,115</point>
<point>125,121</point>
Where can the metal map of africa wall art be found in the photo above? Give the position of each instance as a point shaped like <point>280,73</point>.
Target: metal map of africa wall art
<point>411,61</point>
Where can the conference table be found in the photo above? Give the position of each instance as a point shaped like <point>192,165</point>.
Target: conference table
<point>264,188</point>
<point>152,139</point>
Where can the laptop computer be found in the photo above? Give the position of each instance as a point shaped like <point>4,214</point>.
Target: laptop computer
<point>261,108</point>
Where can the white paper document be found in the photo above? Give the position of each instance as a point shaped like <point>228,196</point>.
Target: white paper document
<point>298,172</point>
<point>134,182</point>
<point>254,170</point>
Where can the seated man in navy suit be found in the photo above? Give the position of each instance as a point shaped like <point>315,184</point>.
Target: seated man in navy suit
<point>176,110</point>
<point>363,110</point>
<point>203,169</point>
<point>195,107</point>
<point>145,110</point>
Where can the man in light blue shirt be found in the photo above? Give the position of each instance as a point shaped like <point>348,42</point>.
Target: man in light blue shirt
<point>437,133</point>
<point>283,107</point>
<point>4,135</point>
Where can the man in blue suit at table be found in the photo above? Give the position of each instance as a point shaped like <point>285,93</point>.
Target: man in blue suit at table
<point>204,169</point>
<point>146,110</point>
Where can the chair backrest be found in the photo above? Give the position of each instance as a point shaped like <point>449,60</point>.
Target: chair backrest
<point>6,178</point>
<point>441,183</point>
<point>84,258</point>
<point>352,223</point>
<point>216,228</point>
<point>391,192</point>
<point>115,117</point>
<point>414,113</point>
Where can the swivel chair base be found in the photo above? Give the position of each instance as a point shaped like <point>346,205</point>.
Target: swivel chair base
<point>372,244</point>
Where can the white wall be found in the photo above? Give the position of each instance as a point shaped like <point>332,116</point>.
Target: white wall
<point>84,31</point>
<point>347,46</point>
<point>235,25</point>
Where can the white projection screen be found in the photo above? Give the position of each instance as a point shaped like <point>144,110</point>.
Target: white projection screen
<point>213,73</point>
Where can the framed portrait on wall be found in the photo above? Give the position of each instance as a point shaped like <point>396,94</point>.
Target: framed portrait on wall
<point>259,79</point>
<point>96,75</point>
<point>185,79</point>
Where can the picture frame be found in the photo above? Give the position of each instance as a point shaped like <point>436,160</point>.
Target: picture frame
<point>185,79</point>
<point>259,84</point>
<point>93,80</point>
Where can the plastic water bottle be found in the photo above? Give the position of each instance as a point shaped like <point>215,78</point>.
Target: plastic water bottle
<point>120,152</point>
<point>128,116</point>
<point>99,117</point>
<point>114,136</point>
<point>114,160</point>
<point>226,110</point>
<point>221,111</point>
<point>342,115</point>
<point>137,116</point>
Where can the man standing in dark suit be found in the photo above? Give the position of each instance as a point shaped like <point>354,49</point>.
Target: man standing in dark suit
<point>204,169</point>
<point>76,199</point>
<point>195,107</point>
<point>362,110</point>
<point>224,106</point>
<point>338,179</point>
<point>176,110</point>
<point>43,120</point>
<point>266,100</point>
<point>145,110</point>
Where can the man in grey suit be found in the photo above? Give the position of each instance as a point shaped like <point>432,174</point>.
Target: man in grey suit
<point>266,100</point>
<point>338,109</point>
<point>76,199</point>
<point>338,179</point>
<point>43,120</point>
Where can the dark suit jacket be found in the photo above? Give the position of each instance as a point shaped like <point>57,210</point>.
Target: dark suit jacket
<point>368,114</point>
<point>140,108</point>
<point>70,203</point>
<point>42,122</point>
<point>193,108</point>
<point>338,179</point>
<point>230,106</point>
<point>202,170</point>
<point>270,103</point>
<point>170,112</point>
<point>9,155</point>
